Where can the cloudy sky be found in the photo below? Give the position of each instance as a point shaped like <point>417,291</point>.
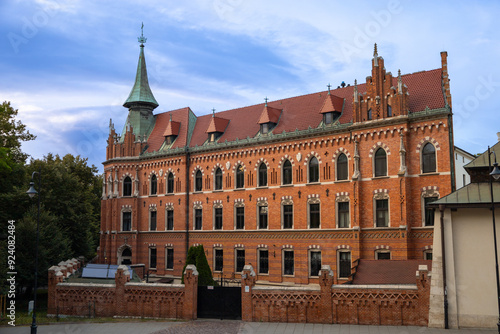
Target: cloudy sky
<point>69,65</point>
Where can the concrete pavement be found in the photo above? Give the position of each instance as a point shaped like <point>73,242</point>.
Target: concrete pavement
<point>229,327</point>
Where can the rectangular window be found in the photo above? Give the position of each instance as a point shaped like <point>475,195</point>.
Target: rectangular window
<point>343,212</point>
<point>218,218</point>
<point>152,221</point>
<point>263,261</point>
<point>344,264</point>
<point>170,220</point>
<point>383,255</point>
<point>263,216</point>
<point>240,260</point>
<point>288,216</point>
<point>218,260</point>
<point>288,262</point>
<point>382,212</point>
<point>169,264</point>
<point>314,221</point>
<point>314,263</point>
<point>428,255</point>
<point>198,219</point>
<point>429,212</point>
<point>240,218</point>
<point>152,258</point>
<point>126,221</point>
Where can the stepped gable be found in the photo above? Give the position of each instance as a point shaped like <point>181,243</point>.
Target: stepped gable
<point>157,136</point>
<point>388,271</point>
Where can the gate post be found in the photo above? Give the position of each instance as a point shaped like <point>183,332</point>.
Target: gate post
<point>325,282</point>
<point>247,283</point>
<point>122,276</point>
<point>55,276</point>
<point>190,292</point>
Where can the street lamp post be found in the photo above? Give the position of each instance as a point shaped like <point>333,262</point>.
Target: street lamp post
<point>495,174</point>
<point>32,192</point>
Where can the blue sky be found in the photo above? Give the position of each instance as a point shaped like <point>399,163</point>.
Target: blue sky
<point>68,66</point>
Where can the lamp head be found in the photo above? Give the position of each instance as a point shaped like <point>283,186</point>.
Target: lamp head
<point>32,191</point>
<point>496,171</point>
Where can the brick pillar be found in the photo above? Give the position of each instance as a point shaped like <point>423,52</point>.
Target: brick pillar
<point>424,291</point>
<point>55,276</point>
<point>248,278</point>
<point>325,304</point>
<point>122,276</point>
<point>190,293</point>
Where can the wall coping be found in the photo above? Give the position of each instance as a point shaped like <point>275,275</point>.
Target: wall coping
<point>98,285</point>
<point>158,285</point>
<point>377,286</point>
<point>288,288</point>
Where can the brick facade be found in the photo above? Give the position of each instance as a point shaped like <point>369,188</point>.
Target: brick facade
<point>419,114</point>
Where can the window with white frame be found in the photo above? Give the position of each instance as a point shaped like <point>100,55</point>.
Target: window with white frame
<point>263,261</point>
<point>197,216</point>
<point>218,218</point>
<point>287,172</point>
<point>262,176</point>
<point>262,215</point>
<point>239,217</point>
<point>380,163</point>
<point>127,186</point>
<point>314,263</point>
<point>152,220</point>
<point>126,221</point>
<point>313,170</point>
<point>382,212</point>
<point>288,262</point>
<point>428,158</point>
<point>218,259</point>
<point>170,183</point>
<point>342,167</point>
<point>428,254</point>
<point>382,254</point>
<point>152,258</point>
<point>314,213</point>
<point>344,263</point>
<point>218,179</point>
<point>153,185</point>
<point>169,219</point>
<point>169,258</point>
<point>240,177</point>
<point>198,181</point>
<point>239,260</point>
<point>343,214</point>
<point>287,214</point>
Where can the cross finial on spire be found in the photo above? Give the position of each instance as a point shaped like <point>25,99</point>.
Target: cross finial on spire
<point>328,88</point>
<point>375,53</point>
<point>266,99</point>
<point>213,112</point>
<point>142,39</point>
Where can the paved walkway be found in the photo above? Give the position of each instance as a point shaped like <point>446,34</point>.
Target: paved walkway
<point>229,327</point>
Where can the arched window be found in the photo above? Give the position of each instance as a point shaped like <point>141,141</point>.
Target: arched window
<point>428,158</point>
<point>170,183</point>
<point>342,167</point>
<point>240,177</point>
<point>218,179</point>
<point>389,111</point>
<point>127,186</point>
<point>198,181</point>
<point>380,163</point>
<point>154,184</point>
<point>369,114</point>
<point>313,170</point>
<point>287,172</point>
<point>262,175</point>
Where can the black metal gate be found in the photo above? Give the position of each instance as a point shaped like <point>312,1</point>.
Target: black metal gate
<point>217,302</point>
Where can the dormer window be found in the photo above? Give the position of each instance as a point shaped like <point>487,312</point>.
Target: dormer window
<point>213,136</point>
<point>266,127</point>
<point>172,131</point>
<point>170,139</point>
<point>216,128</point>
<point>328,118</point>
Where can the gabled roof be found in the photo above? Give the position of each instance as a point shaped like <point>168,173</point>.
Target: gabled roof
<point>269,114</point>
<point>388,271</point>
<point>157,136</point>
<point>141,93</point>
<point>482,160</point>
<point>476,194</point>
<point>172,128</point>
<point>217,124</point>
<point>332,104</point>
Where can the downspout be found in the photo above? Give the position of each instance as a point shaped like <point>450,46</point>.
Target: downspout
<point>441,211</point>
<point>188,158</point>
<point>452,156</point>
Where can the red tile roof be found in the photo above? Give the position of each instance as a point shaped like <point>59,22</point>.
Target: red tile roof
<point>172,129</point>
<point>388,271</point>
<point>300,112</point>
<point>269,114</point>
<point>332,103</point>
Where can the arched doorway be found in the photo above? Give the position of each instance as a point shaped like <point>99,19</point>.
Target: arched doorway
<point>125,255</point>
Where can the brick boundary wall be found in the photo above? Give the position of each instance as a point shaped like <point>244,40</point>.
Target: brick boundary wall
<point>123,298</point>
<point>406,305</point>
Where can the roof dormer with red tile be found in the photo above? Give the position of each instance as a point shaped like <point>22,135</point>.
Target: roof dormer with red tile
<point>384,97</point>
<point>268,118</point>
<point>216,127</point>
<point>332,108</point>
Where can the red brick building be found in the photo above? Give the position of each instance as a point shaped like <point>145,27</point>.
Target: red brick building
<point>324,178</point>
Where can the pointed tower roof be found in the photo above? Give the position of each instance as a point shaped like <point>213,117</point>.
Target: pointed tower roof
<point>217,124</point>
<point>332,103</point>
<point>141,93</point>
<point>269,114</point>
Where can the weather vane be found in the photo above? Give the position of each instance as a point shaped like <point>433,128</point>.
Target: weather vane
<point>142,39</point>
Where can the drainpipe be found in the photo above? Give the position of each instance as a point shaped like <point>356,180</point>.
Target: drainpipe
<point>188,157</point>
<point>452,156</point>
<point>441,211</point>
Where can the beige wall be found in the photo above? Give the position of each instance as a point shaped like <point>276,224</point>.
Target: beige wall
<point>470,269</point>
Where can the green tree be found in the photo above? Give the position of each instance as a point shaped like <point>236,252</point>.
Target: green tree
<point>12,133</point>
<point>196,256</point>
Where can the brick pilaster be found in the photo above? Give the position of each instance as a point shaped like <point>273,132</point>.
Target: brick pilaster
<point>326,304</point>
<point>190,292</point>
<point>248,278</point>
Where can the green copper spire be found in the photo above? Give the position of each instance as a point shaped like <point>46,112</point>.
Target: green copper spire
<point>141,93</point>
